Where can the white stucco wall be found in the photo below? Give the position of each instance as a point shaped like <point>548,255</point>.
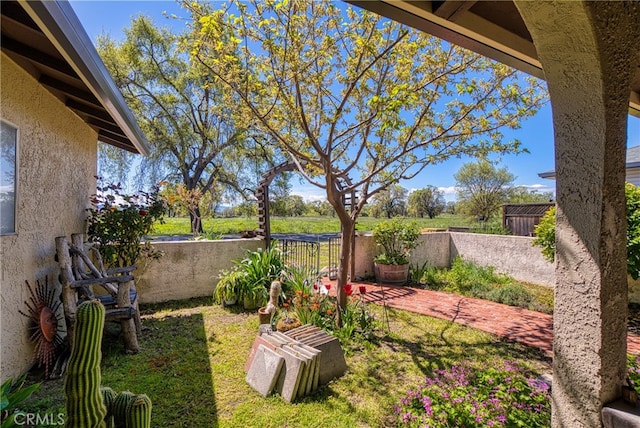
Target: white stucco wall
<point>189,268</point>
<point>57,165</point>
<point>432,247</point>
<point>513,255</point>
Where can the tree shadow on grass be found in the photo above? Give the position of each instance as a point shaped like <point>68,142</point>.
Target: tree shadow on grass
<point>172,368</point>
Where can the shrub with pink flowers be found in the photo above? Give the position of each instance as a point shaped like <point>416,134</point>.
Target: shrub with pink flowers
<point>464,396</point>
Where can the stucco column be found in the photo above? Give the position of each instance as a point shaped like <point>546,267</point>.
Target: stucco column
<point>587,51</point>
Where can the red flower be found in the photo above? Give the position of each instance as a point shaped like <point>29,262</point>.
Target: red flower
<point>328,286</point>
<point>362,289</point>
<point>348,289</point>
<point>143,212</point>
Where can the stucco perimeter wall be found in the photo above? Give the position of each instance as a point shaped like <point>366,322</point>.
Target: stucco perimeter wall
<point>189,268</point>
<point>513,255</point>
<point>433,248</point>
<point>56,169</point>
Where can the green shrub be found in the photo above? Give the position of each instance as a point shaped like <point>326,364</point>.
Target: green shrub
<point>117,222</point>
<point>512,295</point>
<point>464,275</point>
<point>251,276</point>
<point>396,238</point>
<point>546,231</point>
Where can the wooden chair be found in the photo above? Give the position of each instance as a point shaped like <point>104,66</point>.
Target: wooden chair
<point>80,279</point>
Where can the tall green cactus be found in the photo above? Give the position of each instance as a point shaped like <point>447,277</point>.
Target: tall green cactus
<point>84,404</point>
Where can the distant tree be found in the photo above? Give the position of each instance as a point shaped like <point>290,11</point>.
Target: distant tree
<point>349,94</point>
<point>450,207</point>
<point>482,188</point>
<point>522,195</point>
<point>428,201</point>
<point>321,208</point>
<point>247,209</point>
<point>390,202</point>
<point>288,206</point>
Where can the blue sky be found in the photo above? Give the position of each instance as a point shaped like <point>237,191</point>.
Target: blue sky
<point>536,134</point>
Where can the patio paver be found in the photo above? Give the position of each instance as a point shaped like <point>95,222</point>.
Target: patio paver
<point>520,325</point>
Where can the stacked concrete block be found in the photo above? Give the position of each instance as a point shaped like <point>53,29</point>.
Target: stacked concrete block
<point>291,367</point>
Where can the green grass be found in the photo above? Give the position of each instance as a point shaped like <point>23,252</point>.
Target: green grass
<point>220,226</point>
<point>192,358</point>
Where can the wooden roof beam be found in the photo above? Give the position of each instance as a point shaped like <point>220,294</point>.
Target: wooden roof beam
<point>451,9</point>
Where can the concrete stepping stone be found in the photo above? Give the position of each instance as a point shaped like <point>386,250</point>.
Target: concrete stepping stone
<point>290,375</point>
<point>264,370</point>
<point>332,362</point>
<point>259,340</point>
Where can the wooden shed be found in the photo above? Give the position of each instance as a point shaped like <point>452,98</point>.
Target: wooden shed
<point>520,219</point>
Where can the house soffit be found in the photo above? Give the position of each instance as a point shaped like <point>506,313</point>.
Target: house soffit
<point>491,28</point>
<point>48,42</point>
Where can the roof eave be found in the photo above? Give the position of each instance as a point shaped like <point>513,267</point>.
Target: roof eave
<point>59,23</point>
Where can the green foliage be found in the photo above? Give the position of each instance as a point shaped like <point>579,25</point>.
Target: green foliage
<point>117,222</point>
<point>391,202</point>
<point>482,188</point>
<point>511,294</point>
<point>633,371</point>
<point>467,278</point>
<point>251,276</point>
<point>11,396</point>
<point>546,231</point>
<point>464,275</point>
<point>522,195</point>
<point>468,396</point>
<point>186,112</point>
<point>428,201</point>
<point>310,306</point>
<point>632,194</point>
<point>396,238</point>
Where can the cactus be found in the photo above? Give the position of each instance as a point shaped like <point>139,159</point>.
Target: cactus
<point>131,411</point>
<point>108,396</point>
<point>139,412</point>
<point>84,405</point>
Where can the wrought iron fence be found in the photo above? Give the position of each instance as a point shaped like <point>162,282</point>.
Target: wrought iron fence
<point>301,253</point>
<point>334,256</point>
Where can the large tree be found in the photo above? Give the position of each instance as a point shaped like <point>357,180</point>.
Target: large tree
<point>482,188</point>
<point>187,118</point>
<point>357,101</point>
<point>390,202</point>
<point>428,201</point>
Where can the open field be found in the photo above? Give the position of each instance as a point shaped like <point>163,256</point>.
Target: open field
<point>231,226</point>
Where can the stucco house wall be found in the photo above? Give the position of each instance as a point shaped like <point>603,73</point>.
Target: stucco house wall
<point>57,164</point>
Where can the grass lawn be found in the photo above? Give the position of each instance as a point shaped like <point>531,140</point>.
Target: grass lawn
<point>193,354</point>
<point>221,226</point>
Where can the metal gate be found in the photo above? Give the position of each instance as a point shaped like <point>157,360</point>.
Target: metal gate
<point>301,253</point>
<point>334,256</point>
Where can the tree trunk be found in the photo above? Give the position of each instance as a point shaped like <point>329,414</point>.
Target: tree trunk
<point>196,222</point>
<point>347,231</point>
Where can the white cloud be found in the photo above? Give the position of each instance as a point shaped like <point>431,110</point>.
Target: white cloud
<point>540,188</point>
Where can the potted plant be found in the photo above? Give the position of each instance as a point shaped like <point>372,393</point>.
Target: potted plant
<point>396,238</point>
<point>251,277</point>
<point>227,288</point>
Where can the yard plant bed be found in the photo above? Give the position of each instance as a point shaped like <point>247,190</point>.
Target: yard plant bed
<point>193,353</point>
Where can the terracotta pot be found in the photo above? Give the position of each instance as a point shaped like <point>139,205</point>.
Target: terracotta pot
<point>264,316</point>
<point>391,274</point>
